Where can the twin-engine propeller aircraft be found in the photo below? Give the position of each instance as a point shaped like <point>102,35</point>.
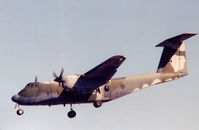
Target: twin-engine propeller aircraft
<point>96,85</point>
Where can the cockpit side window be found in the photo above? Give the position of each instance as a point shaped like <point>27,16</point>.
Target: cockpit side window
<point>29,85</point>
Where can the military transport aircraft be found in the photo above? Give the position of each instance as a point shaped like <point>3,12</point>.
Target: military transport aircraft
<point>96,85</point>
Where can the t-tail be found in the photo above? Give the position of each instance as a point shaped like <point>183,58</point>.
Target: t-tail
<point>173,59</point>
<point>172,66</point>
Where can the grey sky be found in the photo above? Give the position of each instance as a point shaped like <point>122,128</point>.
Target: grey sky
<point>38,37</point>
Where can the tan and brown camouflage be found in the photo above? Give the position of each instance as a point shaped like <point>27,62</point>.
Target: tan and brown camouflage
<point>97,86</point>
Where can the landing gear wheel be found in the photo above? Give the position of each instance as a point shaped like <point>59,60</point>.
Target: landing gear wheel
<point>20,112</point>
<point>97,104</point>
<point>71,114</point>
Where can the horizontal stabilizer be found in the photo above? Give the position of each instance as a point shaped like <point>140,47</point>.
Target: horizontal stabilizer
<point>175,41</point>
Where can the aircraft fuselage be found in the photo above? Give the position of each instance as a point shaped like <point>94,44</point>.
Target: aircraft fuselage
<point>51,93</point>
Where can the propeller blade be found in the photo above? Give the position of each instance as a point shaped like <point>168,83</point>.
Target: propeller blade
<point>55,75</point>
<point>35,79</point>
<point>62,71</point>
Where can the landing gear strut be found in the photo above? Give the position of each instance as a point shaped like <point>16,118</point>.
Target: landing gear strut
<point>71,113</point>
<point>19,111</point>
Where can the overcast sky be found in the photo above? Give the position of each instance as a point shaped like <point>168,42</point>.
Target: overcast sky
<point>38,37</point>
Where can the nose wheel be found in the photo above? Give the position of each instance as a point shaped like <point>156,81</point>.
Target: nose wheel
<point>71,113</point>
<point>19,111</point>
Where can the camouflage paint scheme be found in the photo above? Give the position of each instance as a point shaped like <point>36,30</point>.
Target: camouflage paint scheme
<point>86,88</point>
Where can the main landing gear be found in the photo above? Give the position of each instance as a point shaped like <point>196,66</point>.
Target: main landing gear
<point>71,113</point>
<point>19,111</point>
<point>97,104</point>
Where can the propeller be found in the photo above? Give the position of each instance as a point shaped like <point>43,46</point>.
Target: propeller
<point>59,78</point>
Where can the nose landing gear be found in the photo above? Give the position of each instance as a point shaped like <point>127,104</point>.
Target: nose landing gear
<point>71,113</point>
<point>19,111</point>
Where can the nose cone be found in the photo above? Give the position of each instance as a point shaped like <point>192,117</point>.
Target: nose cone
<point>15,98</point>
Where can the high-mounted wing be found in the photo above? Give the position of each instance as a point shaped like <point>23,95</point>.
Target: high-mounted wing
<point>101,74</point>
<point>105,70</point>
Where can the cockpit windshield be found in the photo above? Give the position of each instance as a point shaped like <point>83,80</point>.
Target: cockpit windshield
<point>31,85</point>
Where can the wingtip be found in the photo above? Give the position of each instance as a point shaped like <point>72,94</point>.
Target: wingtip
<point>189,33</point>
<point>160,44</point>
<point>120,56</point>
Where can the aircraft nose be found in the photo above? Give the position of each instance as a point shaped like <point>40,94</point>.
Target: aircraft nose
<point>15,98</point>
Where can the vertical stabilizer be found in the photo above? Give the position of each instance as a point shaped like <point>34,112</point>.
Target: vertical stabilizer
<point>173,59</point>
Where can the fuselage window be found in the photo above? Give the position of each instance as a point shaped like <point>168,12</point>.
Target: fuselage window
<point>106,88</point>
<point>122,86</point>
